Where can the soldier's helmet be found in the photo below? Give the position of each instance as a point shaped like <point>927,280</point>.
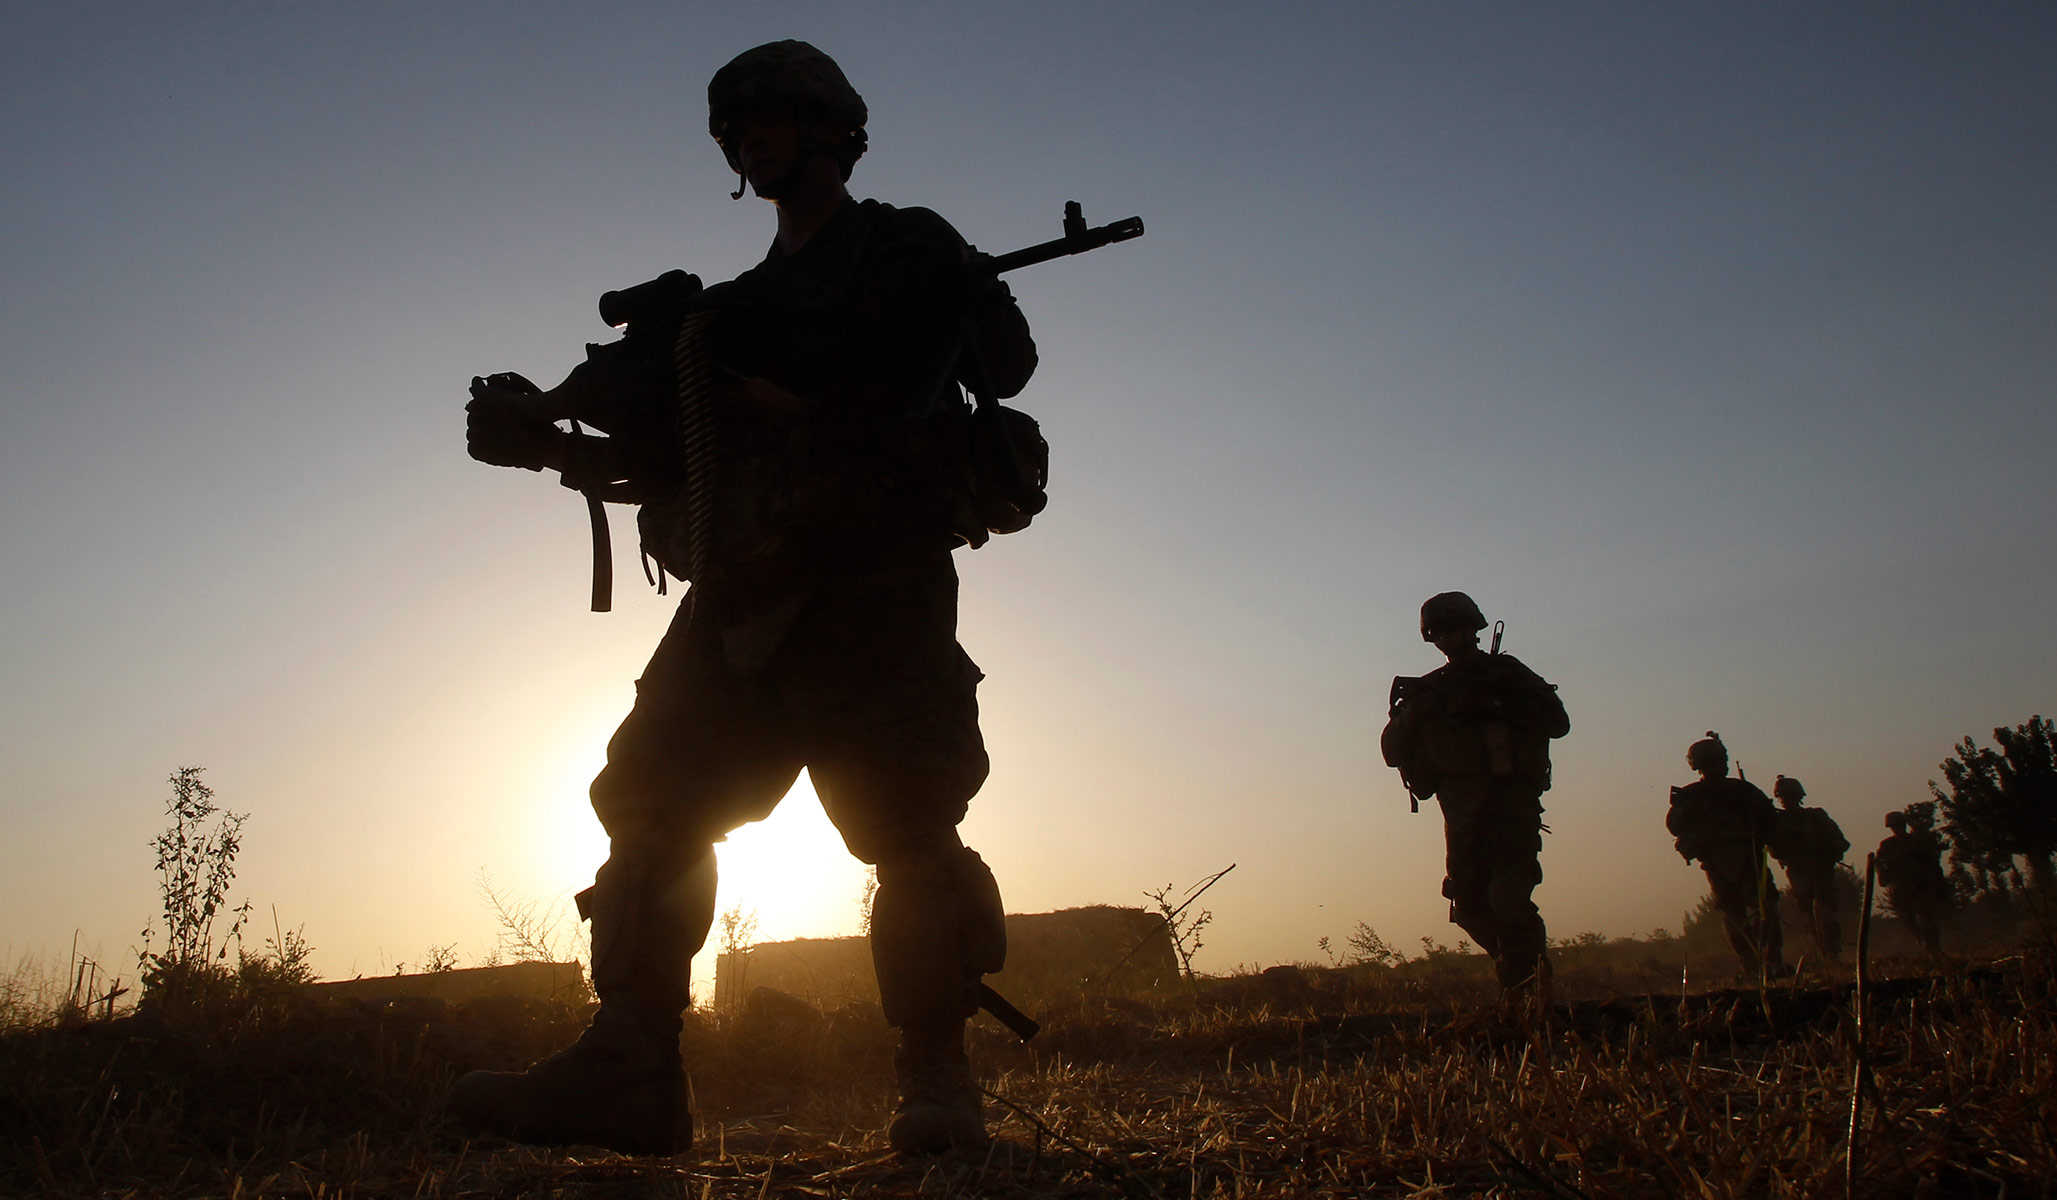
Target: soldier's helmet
<point>1708,754</point>
<point>1897,822</point>
<point>789,77</point>
<point>1450,612</point>
<point>1785,787</point>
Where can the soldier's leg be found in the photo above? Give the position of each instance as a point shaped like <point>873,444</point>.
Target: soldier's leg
<point>1814,892</point>
<point>1769,924</point>
<point>1828,925</point>
<point>936,930</point>
<point>889,708</point>
<point>1514,853</point>
<point>1468,860</point>
<point>1923,918</point>
<point>1727,882</point>
<point>1803,902</point>
<point>700,753</point>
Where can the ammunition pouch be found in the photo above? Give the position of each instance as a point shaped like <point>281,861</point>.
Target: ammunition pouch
<point>1008,463</point>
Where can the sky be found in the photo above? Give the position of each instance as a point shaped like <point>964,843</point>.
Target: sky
<point>1710,347</point>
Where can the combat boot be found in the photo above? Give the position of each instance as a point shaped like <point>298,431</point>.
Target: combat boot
<point>621,1086</point>
<point>941,1108</point>
<point>1522,976</point>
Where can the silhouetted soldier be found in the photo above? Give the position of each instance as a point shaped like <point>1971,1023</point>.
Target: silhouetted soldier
<point>820,631</point>
<point>1808,843</point>
<point>1910,868</point>
<point>1476,734</point>
<point>1727,824</point>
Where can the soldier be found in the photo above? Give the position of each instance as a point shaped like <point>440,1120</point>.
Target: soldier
<point>820,630</point>
<point>1726,824</point>
<point>1476,734</point>
<point>1911,869</point>
<point>1808,843</point>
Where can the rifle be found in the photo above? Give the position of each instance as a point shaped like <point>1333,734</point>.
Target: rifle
<point>1077,239</point>
<point>995,428</point>
<point>660,302</point>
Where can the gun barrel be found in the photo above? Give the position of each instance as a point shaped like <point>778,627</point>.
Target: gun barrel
<point>1071,243</point>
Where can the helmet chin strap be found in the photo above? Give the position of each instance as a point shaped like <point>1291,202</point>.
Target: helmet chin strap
<point>806,147</point>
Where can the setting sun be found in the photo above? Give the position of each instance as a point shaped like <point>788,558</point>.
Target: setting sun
<point>792,870</point>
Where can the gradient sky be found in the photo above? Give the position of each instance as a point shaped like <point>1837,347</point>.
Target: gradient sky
<point>1709,346</point>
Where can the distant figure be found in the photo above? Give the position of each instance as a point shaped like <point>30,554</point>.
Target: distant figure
<point>1475,733</point>
<point>1727,824</point>
<point>1910,868</point>
<point>1808,843</point>
<point>790,436</point>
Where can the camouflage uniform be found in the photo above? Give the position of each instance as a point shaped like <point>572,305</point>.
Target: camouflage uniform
<point>1910,868</point>
<point>821,634</point>
<point>1809,844</point>
<point>1727,824</point>
<point>1476,733</point>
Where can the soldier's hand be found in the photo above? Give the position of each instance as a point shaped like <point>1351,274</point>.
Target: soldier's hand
<point>505,424</point>
<point>516,392</point>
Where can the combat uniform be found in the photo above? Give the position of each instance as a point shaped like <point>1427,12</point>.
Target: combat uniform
<point>820,633</point>
<point>1809,844</point>
<point>1727,823</point>
<point>1910,868</point>
<point>825,635</point>
<point>1476,732</point>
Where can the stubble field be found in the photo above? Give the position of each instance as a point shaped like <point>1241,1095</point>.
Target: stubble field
<point>1317,1083</point>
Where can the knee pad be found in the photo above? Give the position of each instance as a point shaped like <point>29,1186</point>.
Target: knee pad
<point>937,926</point>
<point>650,915</point>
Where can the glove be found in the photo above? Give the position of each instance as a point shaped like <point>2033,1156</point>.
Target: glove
<point>502,425</point>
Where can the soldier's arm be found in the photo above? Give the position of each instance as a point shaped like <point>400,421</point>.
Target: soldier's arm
<point>1395,743</point>
<point>1759,809</point>
<point>929,274</point>
<point>1552,719</point>
<point>622,389</point>
<point>1539,706</point>
<point>1829,835</point>
<point>1678,821</point>
<point>585,463</point>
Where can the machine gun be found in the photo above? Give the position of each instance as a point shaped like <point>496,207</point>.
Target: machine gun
<point>1001,436</point>
<point>660,303</point>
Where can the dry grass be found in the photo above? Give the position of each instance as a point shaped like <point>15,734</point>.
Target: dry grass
<point>1335,1086</point>
<point>31,993</point>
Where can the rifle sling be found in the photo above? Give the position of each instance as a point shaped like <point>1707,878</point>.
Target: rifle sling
<point>603,555</point>
<point>603,545</point>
